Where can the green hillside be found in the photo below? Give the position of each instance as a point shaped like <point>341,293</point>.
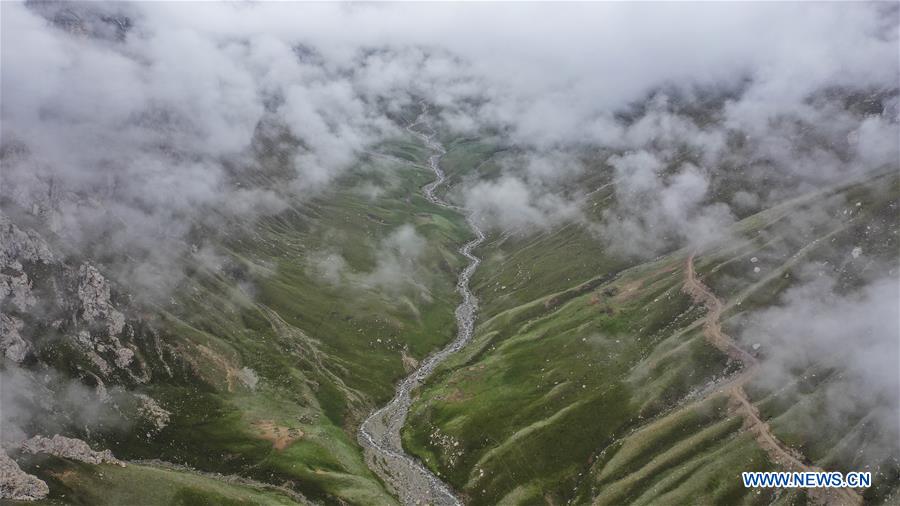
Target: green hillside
<point>323,346</point>
<point>611,380</point>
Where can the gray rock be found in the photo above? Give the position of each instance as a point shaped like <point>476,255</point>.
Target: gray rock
<point>94,295</point>
<point>70,448</point>
<point>21,245</point>
<point>17,286</point>
<point>11,343</point>
<point>18,246</point>
<point>152,411</point>
<point>124,356</point>
<point>17,485</point>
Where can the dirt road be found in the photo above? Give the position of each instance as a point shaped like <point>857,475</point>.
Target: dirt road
<point>740,403</point>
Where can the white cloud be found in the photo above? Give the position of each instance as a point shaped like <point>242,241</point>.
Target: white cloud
<point>510,204</point>
<point>140,122</point>
<point>853,336</point>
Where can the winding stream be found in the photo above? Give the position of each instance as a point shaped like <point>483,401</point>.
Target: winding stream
<point>379,434</point>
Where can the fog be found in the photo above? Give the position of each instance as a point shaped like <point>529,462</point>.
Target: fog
<point>849,338</point>
<point>129,121</point>
<point>125,126</point>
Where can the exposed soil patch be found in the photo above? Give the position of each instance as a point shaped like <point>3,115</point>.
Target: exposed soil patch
<point>409,362</point>
<point>280,436</point>
<point>230,370</point>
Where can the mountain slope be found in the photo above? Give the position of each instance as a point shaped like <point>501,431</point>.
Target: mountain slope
<point>614,381</point>
<point>282,337</point>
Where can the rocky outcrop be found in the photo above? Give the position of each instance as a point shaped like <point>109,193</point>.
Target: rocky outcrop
<point>17,485</point>
<point>76,300</point>
<point>11,343</point>
<point>94,296</point>
<point>152,411</point>
<point>21,245</point>
<point>124,356</point>
<point>17,287</point>
<point>69,448</point>
<point>103,346</point>
<point>18,246</point>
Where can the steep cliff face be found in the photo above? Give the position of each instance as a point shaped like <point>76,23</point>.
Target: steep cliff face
<point>11,343</point>
<point>54,302</point>
<point>74,360</point>
<point>19,248</point>
<point>20,251</point>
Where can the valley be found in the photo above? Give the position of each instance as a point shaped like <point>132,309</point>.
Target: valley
<point>380,432</point>
<point>453,253</point>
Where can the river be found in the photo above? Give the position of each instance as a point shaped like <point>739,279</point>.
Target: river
<point>379,434</point>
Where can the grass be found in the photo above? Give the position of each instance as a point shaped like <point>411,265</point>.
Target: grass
<point>325,351</point>
<point>553,386</point>
<point>595,368</point>
<point>75,483</point>
<point>581,383</point>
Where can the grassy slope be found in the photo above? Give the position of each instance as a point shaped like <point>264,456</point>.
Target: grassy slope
<point>596,379</point>
<point>325,353</point>
<point>583,361</point>
<point>82,484</point>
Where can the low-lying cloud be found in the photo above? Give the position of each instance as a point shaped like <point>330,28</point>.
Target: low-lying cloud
<point>852,336</point>
<point>130,130</point>
<point>397,264</point>
<point>653,213</point>
<point>511,204</point>
<point>125,124</point>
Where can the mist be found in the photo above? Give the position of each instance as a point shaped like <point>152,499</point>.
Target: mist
<point>124,124</point>
<point>850,339</point>
<point>140,141</point>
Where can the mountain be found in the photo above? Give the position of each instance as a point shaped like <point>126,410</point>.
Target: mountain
<point>447,253</point>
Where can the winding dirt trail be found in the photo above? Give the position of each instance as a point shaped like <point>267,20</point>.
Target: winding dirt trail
<point>379,434</point>
<point>740,403</point>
